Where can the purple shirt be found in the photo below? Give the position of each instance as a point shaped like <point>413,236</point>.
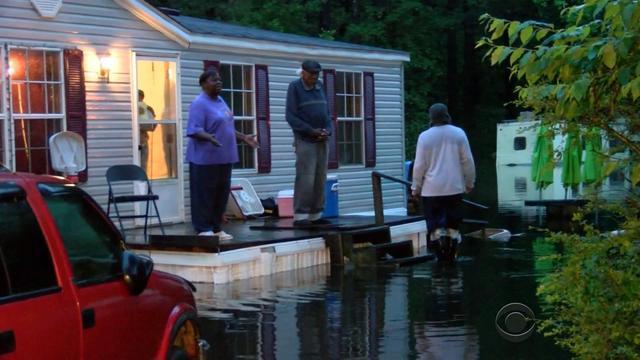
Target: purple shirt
<point>214,117</point>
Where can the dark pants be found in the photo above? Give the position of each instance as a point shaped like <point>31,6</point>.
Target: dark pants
<point>209,187</point>
<point>442,212</point>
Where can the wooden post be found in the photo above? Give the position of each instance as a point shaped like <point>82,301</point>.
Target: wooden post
<point>334,242</point>
<point>376,182</point>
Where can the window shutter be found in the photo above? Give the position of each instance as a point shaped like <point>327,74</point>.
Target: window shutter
<point>329,79</point>
<point>369,120</point>
<point>262,118</point>
<point>75,100</point>
<point>211,64</point>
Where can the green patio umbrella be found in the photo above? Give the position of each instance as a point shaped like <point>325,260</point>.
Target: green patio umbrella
<point>571,157</point>
<point>593,157</point>
<point>542,162</point>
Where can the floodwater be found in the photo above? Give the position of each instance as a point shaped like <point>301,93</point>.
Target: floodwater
<point>423,311</point>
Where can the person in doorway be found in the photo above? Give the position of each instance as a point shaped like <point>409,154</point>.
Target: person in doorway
<point>443,171</point>
<point>307,113</point>
<point>145,113</point>
<point>211,153</point>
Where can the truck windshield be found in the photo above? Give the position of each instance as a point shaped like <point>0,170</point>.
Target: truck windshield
<point>93,245</point>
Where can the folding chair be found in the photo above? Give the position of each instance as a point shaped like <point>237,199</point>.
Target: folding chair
<point>130,173</point>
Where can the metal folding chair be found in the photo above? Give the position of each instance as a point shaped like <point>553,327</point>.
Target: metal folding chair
<point>131,173</point>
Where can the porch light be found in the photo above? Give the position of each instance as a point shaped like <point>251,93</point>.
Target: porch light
<point>106,62</point>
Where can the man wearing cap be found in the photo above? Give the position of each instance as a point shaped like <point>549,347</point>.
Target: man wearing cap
<point>307,113</point>
<point>442,171</point>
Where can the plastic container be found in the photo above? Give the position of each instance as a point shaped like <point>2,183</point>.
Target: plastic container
<point>243,201</point>
<point>285,203</point>
<point>331,208</point>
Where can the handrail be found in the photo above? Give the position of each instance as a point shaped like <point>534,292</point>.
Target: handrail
<point>376,181</point>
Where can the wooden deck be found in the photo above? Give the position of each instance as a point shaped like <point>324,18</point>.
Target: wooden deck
<point>263,246</point>
<point>249,233</point>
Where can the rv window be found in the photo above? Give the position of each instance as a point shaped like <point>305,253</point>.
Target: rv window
<point>519,143</point>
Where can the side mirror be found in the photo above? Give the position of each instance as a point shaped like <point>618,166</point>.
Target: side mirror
<point>137,270</point>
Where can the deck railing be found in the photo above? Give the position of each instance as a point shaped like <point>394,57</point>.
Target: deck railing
<point>378,209</point>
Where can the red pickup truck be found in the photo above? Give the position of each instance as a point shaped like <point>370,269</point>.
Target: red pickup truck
<point>69,289</point>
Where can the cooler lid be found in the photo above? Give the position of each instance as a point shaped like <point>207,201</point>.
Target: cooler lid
<point>285,193</point>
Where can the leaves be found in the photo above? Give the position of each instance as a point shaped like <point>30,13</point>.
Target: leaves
<point>525,35</point>
<point>609,56</point>
<point>515,55</point>
<point>542,33</point>
<point>624,76</point>
<point>497,27</point>
<point>635,175</point>
<point>497,52</point>
<point>579,88</point>
<point>513,31</point>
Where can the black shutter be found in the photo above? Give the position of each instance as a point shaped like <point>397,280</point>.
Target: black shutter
<point>262,118</point>
<point>75,99</point>
<point>329,78</point>
<point>207,64</point>
<point>369,120</point>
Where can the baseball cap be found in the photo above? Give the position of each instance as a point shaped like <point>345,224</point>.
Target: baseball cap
<point>311,66</point>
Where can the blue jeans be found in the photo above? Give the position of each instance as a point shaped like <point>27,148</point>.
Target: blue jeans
<point>209,186</point>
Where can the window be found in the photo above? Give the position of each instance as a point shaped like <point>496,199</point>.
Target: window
<point>93,245</point>
<point>238,93</point>
<point>25,260</point>
<point>36,105</point>
<point>519,143</point>
<point>350,117</point>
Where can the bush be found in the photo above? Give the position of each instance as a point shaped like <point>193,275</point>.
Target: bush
<point>593,296</point>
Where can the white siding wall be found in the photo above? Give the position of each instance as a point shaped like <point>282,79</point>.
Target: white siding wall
<point>95,27</point>
<point>355,181</point>
<point>99,26</point>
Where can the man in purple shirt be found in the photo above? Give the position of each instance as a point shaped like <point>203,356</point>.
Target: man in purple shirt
<point>211,153</point>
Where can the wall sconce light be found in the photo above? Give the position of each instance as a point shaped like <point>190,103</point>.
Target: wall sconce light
<point>106,62</point>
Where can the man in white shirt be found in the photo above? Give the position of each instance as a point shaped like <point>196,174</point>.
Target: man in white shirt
<point>443,170</point>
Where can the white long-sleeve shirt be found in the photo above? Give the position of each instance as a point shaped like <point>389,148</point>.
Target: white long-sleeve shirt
<point>443,164</point>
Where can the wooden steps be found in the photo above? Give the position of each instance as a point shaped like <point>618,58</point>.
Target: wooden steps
<point>372,246</point>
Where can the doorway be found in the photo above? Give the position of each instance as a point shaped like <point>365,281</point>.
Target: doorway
<point>157,140</point>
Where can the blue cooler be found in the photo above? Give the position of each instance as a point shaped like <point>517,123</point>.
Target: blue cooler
<point>331,197</point>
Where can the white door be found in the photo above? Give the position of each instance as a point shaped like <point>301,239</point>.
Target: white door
<point>159,150</point>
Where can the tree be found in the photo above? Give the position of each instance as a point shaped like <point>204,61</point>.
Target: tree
<point>586,74</point>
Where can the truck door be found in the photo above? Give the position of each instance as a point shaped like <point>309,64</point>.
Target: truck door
<point>94,249</point>
<point>38,315</point>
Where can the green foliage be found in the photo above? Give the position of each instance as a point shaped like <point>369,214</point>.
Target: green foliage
<point>592,297</point>
<point>585,74</point>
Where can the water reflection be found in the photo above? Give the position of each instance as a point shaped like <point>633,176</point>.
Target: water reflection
<point>426,311</point>
<point>514,186</point>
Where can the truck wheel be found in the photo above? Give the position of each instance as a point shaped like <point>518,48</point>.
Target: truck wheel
<point>184,338</point>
